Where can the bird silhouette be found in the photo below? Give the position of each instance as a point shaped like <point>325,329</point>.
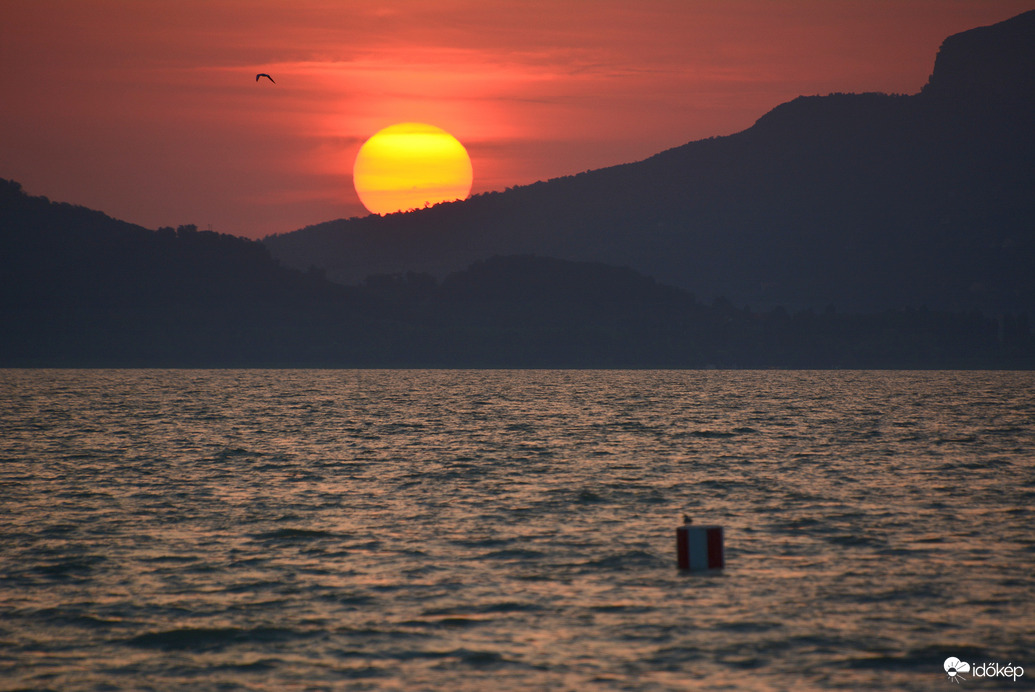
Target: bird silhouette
<point>263,74</point>
<point>687,519</point>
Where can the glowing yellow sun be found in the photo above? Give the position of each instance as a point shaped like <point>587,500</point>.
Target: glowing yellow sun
<point>410,166</point>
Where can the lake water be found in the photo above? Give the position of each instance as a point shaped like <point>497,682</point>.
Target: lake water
<point>513,530</point>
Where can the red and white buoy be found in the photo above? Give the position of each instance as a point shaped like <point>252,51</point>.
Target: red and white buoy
<point>700,547</point>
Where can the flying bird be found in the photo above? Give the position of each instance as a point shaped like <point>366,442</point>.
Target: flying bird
<point>263,74</point>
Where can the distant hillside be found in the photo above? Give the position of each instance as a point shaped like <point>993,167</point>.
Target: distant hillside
<point>529,311</point>
<point>80,289</point>
<point>49,250</point>
<point>866,201</point>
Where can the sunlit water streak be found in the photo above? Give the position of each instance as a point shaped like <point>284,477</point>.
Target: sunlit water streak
<point>511,530</point>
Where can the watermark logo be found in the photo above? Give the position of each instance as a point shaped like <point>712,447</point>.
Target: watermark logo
<point>955,669</point>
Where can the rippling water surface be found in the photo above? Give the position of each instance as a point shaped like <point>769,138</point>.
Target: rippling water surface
<point>512,530</point>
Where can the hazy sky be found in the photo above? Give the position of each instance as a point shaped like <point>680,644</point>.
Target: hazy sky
<point>149,111</point>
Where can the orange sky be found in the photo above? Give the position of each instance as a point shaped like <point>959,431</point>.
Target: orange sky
<point>149,110</point>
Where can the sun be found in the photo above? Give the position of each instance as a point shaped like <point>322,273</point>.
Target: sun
<point>410,166</point>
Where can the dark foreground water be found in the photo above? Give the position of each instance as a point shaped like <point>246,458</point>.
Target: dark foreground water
<point>497,530</point>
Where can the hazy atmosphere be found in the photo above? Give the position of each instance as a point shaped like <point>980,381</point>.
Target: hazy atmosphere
<point>150,112</point>
<point>581,346</point>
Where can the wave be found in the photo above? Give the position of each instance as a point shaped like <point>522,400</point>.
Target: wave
<point>209,638</point>
<point>291,535</point>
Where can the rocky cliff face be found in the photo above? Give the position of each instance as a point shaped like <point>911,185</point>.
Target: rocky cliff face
<point>988,62</point>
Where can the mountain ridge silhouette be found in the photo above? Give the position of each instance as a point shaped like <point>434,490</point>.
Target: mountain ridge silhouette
<point>81,289</point>
<point>867,201</point>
